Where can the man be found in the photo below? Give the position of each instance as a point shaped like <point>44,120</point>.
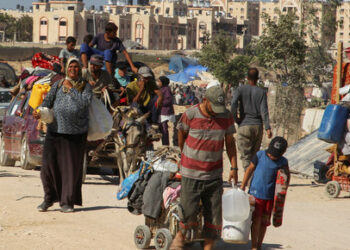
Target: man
<point>202,132</point>
<point>253,113</point>
<point>345,75</point>
<point>98,78</point>
<point>109,44</point>
<point>145,94</point>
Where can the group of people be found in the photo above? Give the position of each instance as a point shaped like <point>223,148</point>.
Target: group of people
<point>86,75</point>
<point>203,131</point>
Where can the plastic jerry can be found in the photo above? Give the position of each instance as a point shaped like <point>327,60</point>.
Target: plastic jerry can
<point>333,123</point>
<point>235,205</point>
<point>237,232</point>
<point>37,95</point>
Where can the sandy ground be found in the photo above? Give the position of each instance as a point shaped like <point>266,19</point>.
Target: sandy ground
<point>311,221</point>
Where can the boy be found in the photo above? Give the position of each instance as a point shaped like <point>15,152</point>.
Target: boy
<point>68,52</point>
<point>265,165</point>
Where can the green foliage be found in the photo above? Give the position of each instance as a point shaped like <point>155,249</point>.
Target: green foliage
<point>22,27</point>
<point>282,48</point>
<point>218,56</point>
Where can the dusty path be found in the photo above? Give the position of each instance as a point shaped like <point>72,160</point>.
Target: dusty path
<point>312,221</point>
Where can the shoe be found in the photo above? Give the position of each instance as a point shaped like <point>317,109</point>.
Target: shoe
<point>44,206</point>
<point>67,209</point>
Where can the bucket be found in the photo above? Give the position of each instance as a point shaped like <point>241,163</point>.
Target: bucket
<point>333,123</point>
<point>237,232</point>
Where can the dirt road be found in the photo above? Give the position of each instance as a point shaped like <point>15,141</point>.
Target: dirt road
<point>312,221</point>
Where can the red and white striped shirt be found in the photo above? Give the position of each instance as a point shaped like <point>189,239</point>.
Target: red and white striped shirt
<point>201,157</point>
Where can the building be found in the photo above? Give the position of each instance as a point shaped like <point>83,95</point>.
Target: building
<point>54,21</point>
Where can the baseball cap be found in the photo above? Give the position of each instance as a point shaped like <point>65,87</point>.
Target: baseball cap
<point>145,71</point>
<point>277,146</point>
<point>96,60</point>
<point>216,96</point>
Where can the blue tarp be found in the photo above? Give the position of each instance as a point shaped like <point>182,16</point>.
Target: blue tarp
<point>179,77</point>
<point>179,63</point>
<point>186,69</point>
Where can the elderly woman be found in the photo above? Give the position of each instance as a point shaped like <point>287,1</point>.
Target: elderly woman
<point>62,170</point>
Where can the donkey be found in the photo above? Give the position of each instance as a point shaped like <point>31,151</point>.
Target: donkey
<point>131,140</point>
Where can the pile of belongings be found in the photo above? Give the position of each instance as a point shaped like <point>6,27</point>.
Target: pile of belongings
<point>158,185</point>
<point>45,70</point>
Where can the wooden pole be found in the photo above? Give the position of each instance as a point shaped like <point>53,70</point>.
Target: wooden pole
<point>339,69</point>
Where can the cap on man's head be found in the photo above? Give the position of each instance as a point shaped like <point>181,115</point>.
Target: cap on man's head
<point>96,60</point>
<point>277,146</point>
<point>145,71</point>
<point>216,96</point>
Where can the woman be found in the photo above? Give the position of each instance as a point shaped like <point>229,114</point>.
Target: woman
<point>167,111</point>
<point>63,154</point>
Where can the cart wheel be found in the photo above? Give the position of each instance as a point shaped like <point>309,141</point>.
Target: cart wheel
<point>163,239</point>
<point>333,189</point>
<point>142,236</point>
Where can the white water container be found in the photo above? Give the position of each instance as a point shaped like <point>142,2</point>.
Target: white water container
<point>237,232</point>
<point>235,205</point>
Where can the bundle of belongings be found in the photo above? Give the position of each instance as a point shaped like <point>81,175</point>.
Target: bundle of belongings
<point>158,186</point>
<point>45,70</point>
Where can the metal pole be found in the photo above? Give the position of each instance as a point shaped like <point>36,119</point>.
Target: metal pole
<point>339,69</point>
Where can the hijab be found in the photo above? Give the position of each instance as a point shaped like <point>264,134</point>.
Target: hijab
<point>77,84</point>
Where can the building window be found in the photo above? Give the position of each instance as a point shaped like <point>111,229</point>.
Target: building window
<point>167,10</point>
<point>200,12</point>
<point>43,38</point>
<point>70,8</point>
<point>137,9</point>
<point>341,33</point>
<point>37,6</point>
<point>63,23</point>
<point>43,22</point>
<point>62,38</point>
<point>157,10</point>
<point>341,11</point>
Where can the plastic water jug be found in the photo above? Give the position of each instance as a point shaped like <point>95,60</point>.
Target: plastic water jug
<point>235,205</point>
<point>333,123</point>
<point>37,95</point>
<point>237,232</point>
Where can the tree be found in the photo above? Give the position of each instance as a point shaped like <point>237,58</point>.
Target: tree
<point>21,29</point>
<point>321,34</point>
<point>282,48</point>
<point>218,56</point>
<point>24,28</point>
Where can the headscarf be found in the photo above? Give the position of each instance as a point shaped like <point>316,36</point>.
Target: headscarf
<point>77,84</point>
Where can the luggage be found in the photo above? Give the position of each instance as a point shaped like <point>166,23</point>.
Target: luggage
<point>333,123</point>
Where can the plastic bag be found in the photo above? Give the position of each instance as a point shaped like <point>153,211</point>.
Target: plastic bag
<point>100,121</point>
<point>46,115</point>
<point>235,205</point>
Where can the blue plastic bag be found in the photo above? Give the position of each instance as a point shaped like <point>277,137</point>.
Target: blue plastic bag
<point>130,180</point>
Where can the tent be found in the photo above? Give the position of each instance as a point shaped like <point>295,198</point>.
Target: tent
<point>8,72</point>
<point>179,63</point>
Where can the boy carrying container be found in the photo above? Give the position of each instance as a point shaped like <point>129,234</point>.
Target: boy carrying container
<point>265,165</point>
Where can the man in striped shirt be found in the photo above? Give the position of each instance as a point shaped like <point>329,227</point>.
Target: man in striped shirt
<point>203,131</point>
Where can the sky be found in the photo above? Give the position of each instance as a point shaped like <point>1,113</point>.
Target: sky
<point>6,4</point>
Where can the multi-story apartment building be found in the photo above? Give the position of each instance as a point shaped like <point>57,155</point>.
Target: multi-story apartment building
<point>54,21</point>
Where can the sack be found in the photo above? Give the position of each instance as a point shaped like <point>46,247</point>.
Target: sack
<point>100,121</point>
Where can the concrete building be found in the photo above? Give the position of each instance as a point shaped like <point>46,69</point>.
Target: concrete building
<point>54,21</point>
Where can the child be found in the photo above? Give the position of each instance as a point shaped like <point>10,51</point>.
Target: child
<point>86,50</point>
<point>265,165</point>
<point>68,52</point>
<point>167,109</point>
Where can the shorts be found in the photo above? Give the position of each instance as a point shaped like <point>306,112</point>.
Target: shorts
<point>209,192</point>
<point>263,209</point>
